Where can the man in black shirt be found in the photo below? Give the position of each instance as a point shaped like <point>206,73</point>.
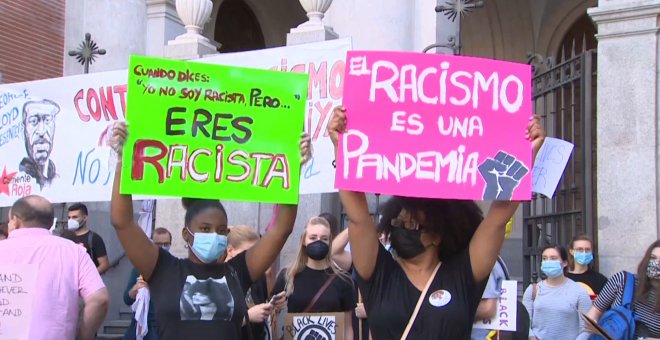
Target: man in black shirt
<point>84,236</point>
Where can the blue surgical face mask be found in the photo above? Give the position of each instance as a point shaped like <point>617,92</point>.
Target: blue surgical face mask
<point>583,258</point>
<point>208,247</point>
<point>552,268</point>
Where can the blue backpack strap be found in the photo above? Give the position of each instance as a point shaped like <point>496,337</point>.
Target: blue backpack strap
<point>628,290</point>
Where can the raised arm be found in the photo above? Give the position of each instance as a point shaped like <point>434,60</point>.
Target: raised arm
<point>263,253</point>
<point>341,257</point>
<point>139,249</point>
<point>361,229</point>
<point>487,240</point>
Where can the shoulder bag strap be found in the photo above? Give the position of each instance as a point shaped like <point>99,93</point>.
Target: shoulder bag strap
<point>320,292</point>
<point>422,297</point>
<point>628,290</point>
<point>534,290</point>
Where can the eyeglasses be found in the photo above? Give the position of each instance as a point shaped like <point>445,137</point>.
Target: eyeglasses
<point>582,250</point>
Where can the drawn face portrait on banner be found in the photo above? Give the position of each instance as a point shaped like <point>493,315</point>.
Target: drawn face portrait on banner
<point>39,132</point>
<point>208,299</point>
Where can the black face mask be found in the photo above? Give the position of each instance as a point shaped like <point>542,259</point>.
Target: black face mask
<point>317,250</point>
<point>406,243</point>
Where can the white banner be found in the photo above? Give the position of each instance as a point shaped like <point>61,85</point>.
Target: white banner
<point>53,133</point>
<point>507,309</point>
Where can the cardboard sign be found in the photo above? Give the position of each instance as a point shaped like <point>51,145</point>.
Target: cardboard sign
<point>17,290</point>
<point>439,126</point>
<point>211,131</point>
<point>600,331</point>
<point>317,326</point>
<point>549,165</point>
<point>507,309</point>
<point>60,150</point>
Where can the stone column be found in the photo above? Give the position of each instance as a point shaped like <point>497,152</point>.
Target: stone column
<point>375,25</point>
<point>314,29</point>
<point>627,130</point>
<point>192,44</point>
<point>163,24</point>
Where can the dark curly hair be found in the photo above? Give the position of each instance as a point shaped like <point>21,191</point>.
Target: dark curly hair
<point>454,221</point>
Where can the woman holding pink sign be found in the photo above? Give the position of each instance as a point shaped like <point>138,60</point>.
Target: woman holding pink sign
<point>445,250</point>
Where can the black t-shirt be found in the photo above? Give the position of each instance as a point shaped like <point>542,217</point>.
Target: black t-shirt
<point>447,311</point>
<point>195,301</point>
<point>95,248</point>
<point>595,280</point>
<point>338,297</point>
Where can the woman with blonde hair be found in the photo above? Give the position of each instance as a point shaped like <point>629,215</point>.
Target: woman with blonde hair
<point>313,283</point>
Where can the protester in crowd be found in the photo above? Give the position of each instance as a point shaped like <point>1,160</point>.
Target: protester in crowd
<point>93,242</point>
<point>555,304</point>
<point>424,233</point>
<point>171,280</point>
<point>646,306</point>
<point>240,239</point>
<point>313,282</point>
<point>3,231</point>
<point>581,250</point>
<point>163,239</point>
<point>487,308</point>
<point>65,274</point>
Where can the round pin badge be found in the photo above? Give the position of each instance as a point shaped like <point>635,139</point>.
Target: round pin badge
<point>440,298</point>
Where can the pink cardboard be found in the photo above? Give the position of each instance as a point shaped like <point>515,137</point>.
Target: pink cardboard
<point>437,126</point>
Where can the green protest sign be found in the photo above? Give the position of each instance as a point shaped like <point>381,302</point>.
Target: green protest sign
<point>211,131</point>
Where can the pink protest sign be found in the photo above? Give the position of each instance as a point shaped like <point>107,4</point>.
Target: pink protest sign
<point>440,126</point>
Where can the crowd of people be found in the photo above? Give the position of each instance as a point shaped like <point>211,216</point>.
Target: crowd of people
<point>426,270</point>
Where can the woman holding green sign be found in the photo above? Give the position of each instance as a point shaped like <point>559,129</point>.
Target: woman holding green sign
<point>201,297</point>
<point>445,251</point>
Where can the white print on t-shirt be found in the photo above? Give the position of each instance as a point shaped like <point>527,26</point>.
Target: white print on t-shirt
<point>208,299</point>
<point>440,298</point>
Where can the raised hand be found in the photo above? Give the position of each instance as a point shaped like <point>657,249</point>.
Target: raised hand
<point>337,124</point>
<point>118,137</point>
<point>536,134</point>
<point>305,148</point>
<point>259,313</point>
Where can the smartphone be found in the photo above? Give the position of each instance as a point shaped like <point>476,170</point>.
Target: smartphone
<point>276,298</point>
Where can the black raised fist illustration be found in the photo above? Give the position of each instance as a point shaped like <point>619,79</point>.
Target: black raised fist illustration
<point>502,175</point>
<point>314,335</point>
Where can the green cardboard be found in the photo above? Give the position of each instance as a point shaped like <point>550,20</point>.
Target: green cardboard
<point>211,131</point>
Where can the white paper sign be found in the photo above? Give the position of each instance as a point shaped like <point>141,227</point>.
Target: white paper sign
<point>507,309</point>
<point>549,165</point>
<point>17,288</point>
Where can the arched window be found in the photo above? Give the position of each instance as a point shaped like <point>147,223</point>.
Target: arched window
<point>237,28</point>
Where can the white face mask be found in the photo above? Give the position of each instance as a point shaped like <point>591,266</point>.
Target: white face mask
<point>72,224</point>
